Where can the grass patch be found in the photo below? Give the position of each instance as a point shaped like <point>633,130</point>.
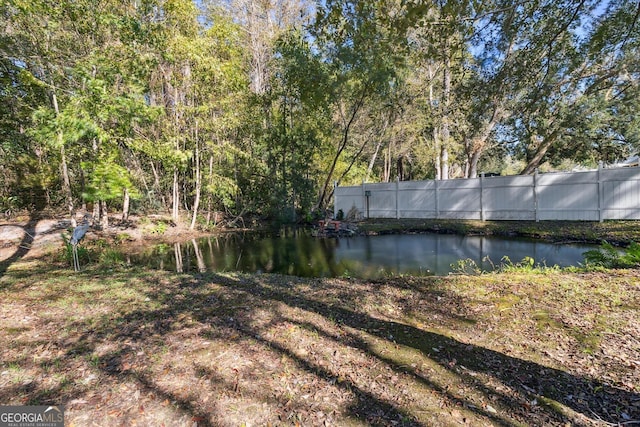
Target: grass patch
<point>544,320</point>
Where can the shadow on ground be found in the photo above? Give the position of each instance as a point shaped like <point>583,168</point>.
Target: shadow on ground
<point>29,232</point>
<point>195,348</point>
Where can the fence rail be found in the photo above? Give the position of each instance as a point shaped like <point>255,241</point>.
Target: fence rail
<point>606,193</point>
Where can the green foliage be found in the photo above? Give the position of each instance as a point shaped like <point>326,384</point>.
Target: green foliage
<point>608,256</point>
<point>123,237</point>
<point>8,203</point>
<point>526,265</point>
<point>108,181</point>
<point>110,257</point>
<point>159,228</point>
<point>466,266</point>
<point>131,97</point>
<point>84,254</point>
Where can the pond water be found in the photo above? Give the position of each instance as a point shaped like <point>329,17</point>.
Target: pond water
<point>298,253</point>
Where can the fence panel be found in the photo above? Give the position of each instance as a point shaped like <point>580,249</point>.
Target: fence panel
<point>508,198</point>
<point>568,196</point>
<point>382,203</point>
<point>620,193</point>
<point>459,199</point>
<point>585,196</point>
<point>347,198</point>
<point>417,199</point>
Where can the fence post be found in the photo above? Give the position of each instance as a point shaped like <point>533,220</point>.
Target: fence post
<point>600,167</point>
<point>364,201</point>
<point>481,196</point>
<point>437,202</point>
<point>535,195</point>
<point>335,201</point>
<point>397,197</point>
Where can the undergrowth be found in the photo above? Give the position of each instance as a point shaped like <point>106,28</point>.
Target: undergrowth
<point>506,265</point>
<point>608,256</point>
<point>605,257</point>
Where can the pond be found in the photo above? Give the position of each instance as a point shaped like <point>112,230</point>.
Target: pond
<point>297,252</point>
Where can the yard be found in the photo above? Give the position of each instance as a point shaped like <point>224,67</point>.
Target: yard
<point>129,346</point>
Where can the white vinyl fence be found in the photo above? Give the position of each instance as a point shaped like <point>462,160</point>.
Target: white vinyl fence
<point>606,193</point>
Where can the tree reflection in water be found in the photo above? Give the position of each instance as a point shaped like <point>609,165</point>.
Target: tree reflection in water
<point>177,250</point>
<point>298,253</point>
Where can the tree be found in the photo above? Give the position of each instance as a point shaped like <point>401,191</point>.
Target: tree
<point>58,48</point>
<point>579,82</point>
<point>357,47</point>
<point>40,45</point>
<point>299,122</point>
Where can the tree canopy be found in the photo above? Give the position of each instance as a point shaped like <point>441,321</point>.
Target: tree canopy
<point>259,107</point>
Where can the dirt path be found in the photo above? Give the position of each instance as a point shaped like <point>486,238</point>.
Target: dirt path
<point>28,238</point>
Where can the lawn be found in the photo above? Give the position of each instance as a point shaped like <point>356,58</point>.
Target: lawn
<point>129,346</point>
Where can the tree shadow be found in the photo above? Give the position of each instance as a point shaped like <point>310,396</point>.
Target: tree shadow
<point>148,327</point>
<point>112,364</point>
<point>524,375</point>
<point>233,306</point>
<point>29,230</point>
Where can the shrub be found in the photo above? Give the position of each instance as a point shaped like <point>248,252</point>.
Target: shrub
<point>608,256</point>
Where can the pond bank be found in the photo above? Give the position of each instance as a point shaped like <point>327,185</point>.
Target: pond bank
<point>620,233</point>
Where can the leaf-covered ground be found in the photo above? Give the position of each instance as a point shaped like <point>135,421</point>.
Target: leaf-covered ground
<point>140,347</point>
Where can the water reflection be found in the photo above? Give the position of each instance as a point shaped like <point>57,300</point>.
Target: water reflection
<point>434,254</point>
<point>296,252</point>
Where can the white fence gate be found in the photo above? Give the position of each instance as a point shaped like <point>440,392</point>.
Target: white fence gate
<point>606,193</point>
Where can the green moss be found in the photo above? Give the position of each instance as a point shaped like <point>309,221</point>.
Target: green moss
<point>507,302</point>
<point>544,320</point>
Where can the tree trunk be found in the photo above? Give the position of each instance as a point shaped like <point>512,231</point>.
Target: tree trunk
<point>378,145</point>
<point>156,185</point>
<point>209,195</point>
<point>387,164</point>
<point>175,197</point>
<point>536,160</point>
<point>196,202</point>
<point>343,144</point>
<point>477,145</point>
<point>66,183</point>
<point>444,163</point>
<point>125,204</point>
<point>104,217</point>
<point>175,211</point>
<point>437,156</point>
<point>372,161</point>
<point>435,135</point>
<point>473,164</point>
<point>446,100</point>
